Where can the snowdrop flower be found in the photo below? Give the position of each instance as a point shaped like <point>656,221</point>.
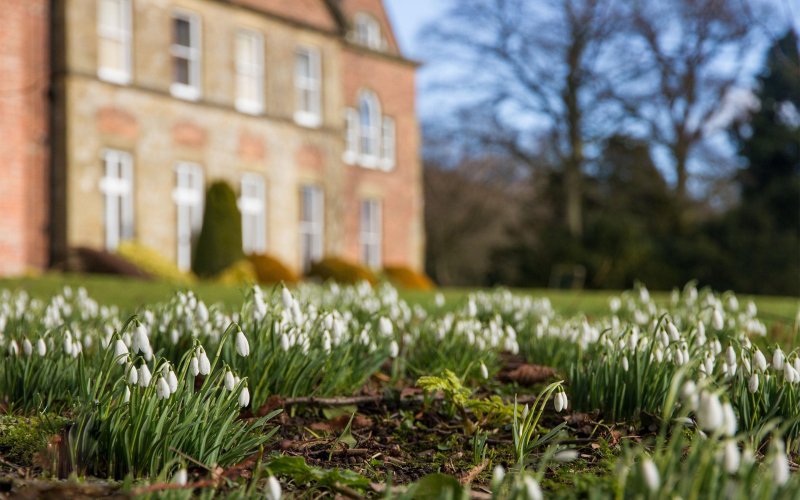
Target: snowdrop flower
<point>204,364</point>
<point>162,388</point>
<point>172,380</point>
<point>385,327</point>
<point>285,342</point>
<point>565,456</point>
<point>780,465</point>
<point>230,382</point>
<point>732,457</point>
<point>194,366</point>
<point>729,421</point>
<point>717,321</point>
<point>133,375</point>
<point>394,349</point>
<point>760,360</point>
<point>498,474</point>
<point>652,479</point>
<point>709,412</point>
<point>673,332</point>
<point>41,347</point>
<point>525,412</point>
<point>778,359</point>
<point>273,486</point>
<point>560,401</point>
<point>144,376</point>
<point>625,363</point>
<point>242,346</point>
<point>484,371</point>
<point>730,356</point>
<point>532,488</point>
<point>181,477</point>
<point>244,397</point>
<point>27,347</point>
<point>286,298</point>
<point>120,350</point>
<point>126,397</point>
<point>752,385</point>
<point>13,348</point>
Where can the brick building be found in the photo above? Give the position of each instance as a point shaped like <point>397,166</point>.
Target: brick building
<point>306,107</point>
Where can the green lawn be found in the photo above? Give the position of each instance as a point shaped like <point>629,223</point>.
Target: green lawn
<point>128,294</point>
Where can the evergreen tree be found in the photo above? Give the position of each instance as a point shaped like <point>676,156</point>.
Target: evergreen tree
<point>220,242</point>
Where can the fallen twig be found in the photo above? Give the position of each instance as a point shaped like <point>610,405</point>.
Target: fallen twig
<point>473,472</point>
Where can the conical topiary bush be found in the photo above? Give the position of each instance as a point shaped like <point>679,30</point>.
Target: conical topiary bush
<point>220,242</point>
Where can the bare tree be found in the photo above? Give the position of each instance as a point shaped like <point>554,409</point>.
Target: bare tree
<point>534,69</point>
<point>688,57</point>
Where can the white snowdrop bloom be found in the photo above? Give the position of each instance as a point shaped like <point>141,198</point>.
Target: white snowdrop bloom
<point>730,356</point>
<point>242,345</point>
<point>286,298</point>
<point>230,382</point>
<point>394,349</point>
<point>126,396</point>
<point>181,477</point>
<point>709,412</point>
<point>326,341</point>
<point>525,410</point>
<point>132,374</point>
<point>194,366</point>
<point>484,371</point>
<point>120,350</point>
<point>732,457</point>
<point>244,397</point>
<point>498,474</point>
<point>273,487</point>
<point>752,310</point>
<point>780,466</point>
<point>41,347</point>
<point>144,376</point>
<point>760,360</point>
<point>532,488</point>
<point>439,299</point>
<point>385,327</point>
<point>701,332</point>
<point>746,363</point>
<point>778,359</point>
<point>752,384</point>
<point>717,320</point>
<point>13,348</point>
<point>652,479</point>
<point>204,364</point>
<point>659,354</point>
<point>565,456</point>
<point>27,347</point>
<point>729,422</point>
<point>615,304</point>
<point>285,344</point>
<point>174,336</point>
<point>68,347</point>
<point>673,332</point>
<point>472,309</point>
<point>202,312</point>
<point>557,402</point>
<point>162,388</point>
<point>172,380</point>
<point>625,365</point>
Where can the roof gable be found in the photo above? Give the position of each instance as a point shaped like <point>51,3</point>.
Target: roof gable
<point>376,9</point>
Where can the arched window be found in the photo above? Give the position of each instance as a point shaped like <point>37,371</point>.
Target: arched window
<point>369,123</point>
<point>367,31</point>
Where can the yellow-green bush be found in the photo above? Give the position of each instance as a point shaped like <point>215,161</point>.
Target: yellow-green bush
<point>152,262</point>
<point>341,271</point>
<point>271,270</point>
<point>241,271</point>
<point>405,277</point>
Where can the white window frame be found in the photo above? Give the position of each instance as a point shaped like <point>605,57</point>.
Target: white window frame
<point>253,206</point>
<point>351,136</point>
<point>371,233</point>
<point>250,70</point>
<point>312,225</point>
<point>117,188</point>
<point>388,143</point>
<point>192,53</point>
<point>121,34</point>
<point>189,199</point>
<point>370,134</point>
<point>311,83</point>
<point>368,31</point>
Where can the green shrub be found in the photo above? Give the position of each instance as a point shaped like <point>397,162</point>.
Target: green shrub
<point>152,262</point>
<point>241,271</point>
<point>341,271</point>
<point>269,269</point>
<point>405,277</point>
<point>220,242</point>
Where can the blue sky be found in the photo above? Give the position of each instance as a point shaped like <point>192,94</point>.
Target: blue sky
<point>409,17</point>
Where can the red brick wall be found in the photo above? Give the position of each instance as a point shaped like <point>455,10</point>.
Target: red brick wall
<point>311,12</point>
<point>23,135</point>
<point>376,9</point>
<point>400,189</point>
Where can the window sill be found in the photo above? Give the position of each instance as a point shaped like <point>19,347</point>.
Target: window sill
<point>114,76</point>
<point>306,119</point>
<point>249,107</point>
<point>185,92</point>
